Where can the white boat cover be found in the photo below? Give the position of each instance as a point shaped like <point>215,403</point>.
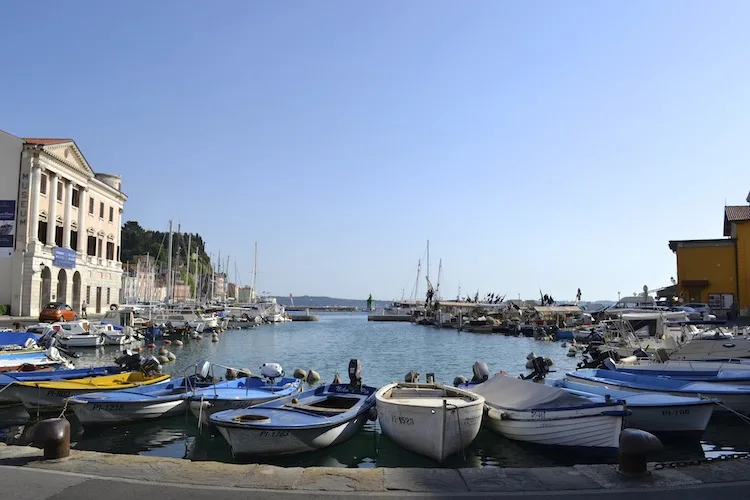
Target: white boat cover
<point>506,392</point>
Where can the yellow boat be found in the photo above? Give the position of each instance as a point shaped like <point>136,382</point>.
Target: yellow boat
<point>52,393</point>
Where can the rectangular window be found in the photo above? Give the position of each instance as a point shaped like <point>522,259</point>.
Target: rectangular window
<point>99,248</point>
<point>74,240</point>
<point>91,246</point>
<point>88,295</point>
<point>91,206</point>
<point>60,187</point>
<point>108,295</point>
<point>58,235</point>
<point>118,253</point>
<point>43,184</point>
<point>101,209</point>
<point>41,233</point>
<point>111,214</point>
<point>110,251</point>
<point>76,198</point>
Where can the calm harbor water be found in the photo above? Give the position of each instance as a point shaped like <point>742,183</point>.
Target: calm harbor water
<point>387,351</point>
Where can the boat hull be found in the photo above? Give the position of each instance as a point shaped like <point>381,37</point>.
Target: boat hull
<point>432,431</point>
<point>246,442</point>
<point>94,413</point>
<point>580,428</point>
<point>688,419</point>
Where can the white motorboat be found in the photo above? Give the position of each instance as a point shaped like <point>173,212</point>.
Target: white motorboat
<point>76,334</point>
<point>652,412</point>
<point>434,420</point>
<point>728,397</point>
<point>536,413</point>
<point>113,336</point>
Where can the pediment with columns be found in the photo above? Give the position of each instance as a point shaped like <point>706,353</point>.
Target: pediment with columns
<point>68,153</point>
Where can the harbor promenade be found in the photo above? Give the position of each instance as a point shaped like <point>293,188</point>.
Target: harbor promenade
<point>25,475</point>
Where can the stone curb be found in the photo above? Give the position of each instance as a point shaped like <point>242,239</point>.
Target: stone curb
<point>589,478</point>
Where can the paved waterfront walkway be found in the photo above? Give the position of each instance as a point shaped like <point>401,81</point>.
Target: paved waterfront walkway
<point>24,475</point>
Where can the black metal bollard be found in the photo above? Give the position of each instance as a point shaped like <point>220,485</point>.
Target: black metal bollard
<point>635,447</point>
<point>54,436</point>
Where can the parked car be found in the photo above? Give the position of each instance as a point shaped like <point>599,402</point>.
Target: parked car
<point>692,314</point>
<point>699,308</point>
<point>57,311</point>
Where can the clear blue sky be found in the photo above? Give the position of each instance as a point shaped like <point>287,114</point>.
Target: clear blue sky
<point>536,144</point>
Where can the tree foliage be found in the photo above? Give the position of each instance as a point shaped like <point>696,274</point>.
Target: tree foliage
<point>139,241</point>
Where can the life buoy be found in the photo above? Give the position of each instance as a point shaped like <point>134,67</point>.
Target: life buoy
<point>113,307</point>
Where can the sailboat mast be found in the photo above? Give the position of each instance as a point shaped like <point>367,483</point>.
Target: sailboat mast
<point>255,273</point>
<point>416,285</point>
<point>440,275</point>
<point>169,264</point>
<point>428,260</point>
<point>187,273</point>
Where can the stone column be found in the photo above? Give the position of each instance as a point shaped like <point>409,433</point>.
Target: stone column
<point>34,188</point>
<point>68,200</point>
<point>83,206</point>
<point>52,211</point>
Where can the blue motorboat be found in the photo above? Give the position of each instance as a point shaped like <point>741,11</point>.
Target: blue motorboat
<point>652,412</point>
<point>696,371</point>
<point>317,418</point>
<point>242,392</point>
<point>17,340</point>
<point>141,403</point>
<point>728,397</point>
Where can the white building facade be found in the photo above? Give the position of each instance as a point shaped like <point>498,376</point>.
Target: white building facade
<point>65,244</point>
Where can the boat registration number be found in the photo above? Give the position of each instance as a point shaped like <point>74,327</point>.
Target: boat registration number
<point>58,394</point>
<point>274,434</point>
<point>538,414</point>
<point>107,407</point>
<point>676,412</point>
<point>402,420</point>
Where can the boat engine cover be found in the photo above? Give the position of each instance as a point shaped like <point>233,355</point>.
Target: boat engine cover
<point>271,370</point>
<point>481,372</point>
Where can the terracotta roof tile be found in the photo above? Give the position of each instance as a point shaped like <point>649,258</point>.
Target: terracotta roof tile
<point>44,142</point>
<point>737,213</point>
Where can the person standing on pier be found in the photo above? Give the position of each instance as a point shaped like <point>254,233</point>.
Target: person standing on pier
<point>83,310</point>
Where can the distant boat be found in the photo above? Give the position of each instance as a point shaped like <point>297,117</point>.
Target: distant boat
<point>434,420</point>
<point>317,418</point>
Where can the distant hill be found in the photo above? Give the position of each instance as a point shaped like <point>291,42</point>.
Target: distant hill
<point>313,301</point>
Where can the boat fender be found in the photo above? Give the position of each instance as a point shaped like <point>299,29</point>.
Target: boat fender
<point>481,372</point>
<point>459,381</point>
<point>412,377</point>
<point>171,356</point>
<point>215,338</point>
<point>163,359</point>
<point>163,351</point>
<point>271,370</point>
<point>178,343</point>
<point>151,346</point>
<point>300,374</point>
<point>313,377</point>
<point>373,414</point>
<point>167,342</point>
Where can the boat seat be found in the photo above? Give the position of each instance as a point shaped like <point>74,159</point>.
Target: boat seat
<point>317,409</point>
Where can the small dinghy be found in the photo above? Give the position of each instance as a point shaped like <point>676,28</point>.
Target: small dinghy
<point>434,420</point>
<point>535,413</point>
<point>242,392</point>
<point>317,418</point>
<point>36,358</point>
<point>694,371</point>
<point>652,412</point>
<point>727,396</point>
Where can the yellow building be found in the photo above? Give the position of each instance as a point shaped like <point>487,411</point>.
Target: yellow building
<point>717,272</point>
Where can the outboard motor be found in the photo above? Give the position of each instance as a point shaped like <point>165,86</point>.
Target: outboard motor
<point>129,361</point>
<point>150,366</point>
<point>355,374</point>
<point>481,372</point>
<point>271,371</point>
